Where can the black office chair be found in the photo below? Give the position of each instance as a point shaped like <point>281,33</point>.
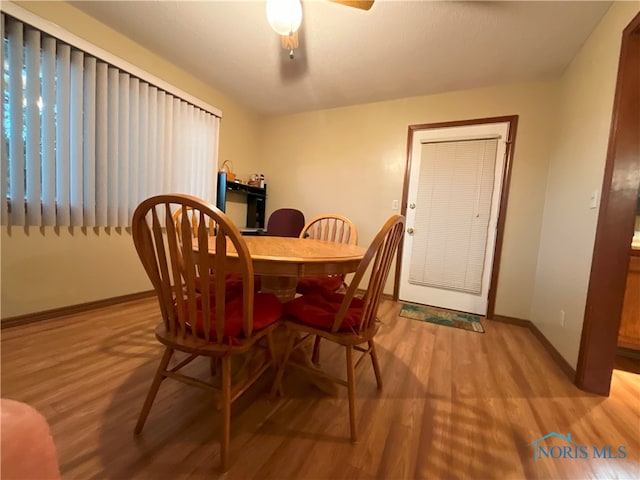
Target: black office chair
<point>285,222</point>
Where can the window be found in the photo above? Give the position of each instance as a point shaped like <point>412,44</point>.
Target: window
<point>84,141</point>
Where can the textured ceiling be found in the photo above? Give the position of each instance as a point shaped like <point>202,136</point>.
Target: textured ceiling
<point>349,56</point>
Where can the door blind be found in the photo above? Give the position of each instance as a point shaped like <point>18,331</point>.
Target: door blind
<point>453,204</point>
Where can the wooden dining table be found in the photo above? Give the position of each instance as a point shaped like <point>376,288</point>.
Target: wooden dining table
<point>280,261</point>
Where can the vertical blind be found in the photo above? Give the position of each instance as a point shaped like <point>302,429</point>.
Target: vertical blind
<point>84,142</point>
<point>452,215</point>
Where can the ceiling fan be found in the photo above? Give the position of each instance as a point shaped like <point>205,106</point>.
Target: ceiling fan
<point>285,17</point>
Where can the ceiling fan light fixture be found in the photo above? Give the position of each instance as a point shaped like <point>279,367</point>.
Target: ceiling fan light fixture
<point>284,16</point>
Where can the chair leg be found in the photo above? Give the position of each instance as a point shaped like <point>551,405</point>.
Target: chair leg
<point>225,413</point>
<point>277,383</point>
<point>352,393</point>
<point>272,352</point>
<point>376,365</point>
<point>315,356</point>
<point>153,390</point>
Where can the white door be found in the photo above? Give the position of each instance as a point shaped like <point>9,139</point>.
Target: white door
<point>453,200</point>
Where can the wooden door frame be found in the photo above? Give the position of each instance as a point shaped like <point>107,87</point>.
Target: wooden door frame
<point>610,262</point>
<point>512,120</point>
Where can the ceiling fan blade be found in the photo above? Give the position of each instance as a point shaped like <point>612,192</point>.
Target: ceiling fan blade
<point>362,5</point>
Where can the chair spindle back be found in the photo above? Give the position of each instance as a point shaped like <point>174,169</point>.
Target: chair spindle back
<point>378,261</point>
<point>331,227</point>
<point>174,253</point>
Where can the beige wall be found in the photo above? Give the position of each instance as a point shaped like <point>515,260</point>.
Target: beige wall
<point>352,161</point>
<point>575,170</point>
<point>47,269</point>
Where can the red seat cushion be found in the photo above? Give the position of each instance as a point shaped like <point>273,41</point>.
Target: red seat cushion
<point>323,282</point>
<point>267,309</point>
<point>319,310</point>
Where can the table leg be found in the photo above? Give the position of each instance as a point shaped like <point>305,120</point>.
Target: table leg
<point>285,289</point>
<point>282,287</point>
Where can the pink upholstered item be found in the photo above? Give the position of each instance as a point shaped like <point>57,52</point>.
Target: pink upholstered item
<point>28,451</point>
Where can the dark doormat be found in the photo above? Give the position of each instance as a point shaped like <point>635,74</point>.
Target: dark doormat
<point>448,318</point>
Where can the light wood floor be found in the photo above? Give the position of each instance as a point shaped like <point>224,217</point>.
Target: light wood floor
<point>456,404</point>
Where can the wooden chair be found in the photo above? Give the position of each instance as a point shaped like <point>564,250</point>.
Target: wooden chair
<point>200,316</point>
<point>344,318</point>
<point>285,222</point>
<point>234,280</point>
<point>332,228</point>
<point>191,217</point>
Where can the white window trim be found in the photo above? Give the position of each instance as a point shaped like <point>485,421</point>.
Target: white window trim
<point>88,47</point>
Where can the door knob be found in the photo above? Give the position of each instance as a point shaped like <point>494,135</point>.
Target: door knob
<point>412,206</point>
<point>410,231</point>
